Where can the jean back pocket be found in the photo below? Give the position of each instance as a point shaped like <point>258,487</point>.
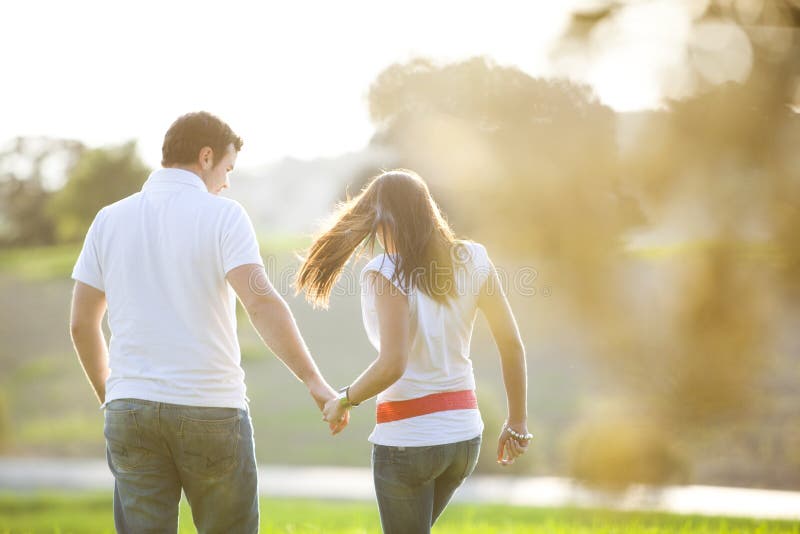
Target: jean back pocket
<point>123,441</point>
<point>209,448</point>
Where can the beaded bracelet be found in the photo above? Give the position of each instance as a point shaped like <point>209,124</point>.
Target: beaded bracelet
<point>517,436</point>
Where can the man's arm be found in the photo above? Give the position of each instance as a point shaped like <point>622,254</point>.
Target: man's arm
<point>86,319</point>
<point>275,323</point>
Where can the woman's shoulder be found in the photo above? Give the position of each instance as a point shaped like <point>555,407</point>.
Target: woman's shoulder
<point>471,252</point>
<point>378,262</point>
<point>382,263</point>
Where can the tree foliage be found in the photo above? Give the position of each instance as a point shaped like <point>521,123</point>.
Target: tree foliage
<point>30,169</point>
<point>100,177</point>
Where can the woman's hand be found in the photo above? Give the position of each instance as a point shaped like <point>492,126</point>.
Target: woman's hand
<point>336,415</point>
<point>512,443</point>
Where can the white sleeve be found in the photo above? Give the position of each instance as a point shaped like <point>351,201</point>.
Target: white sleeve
<point>88,268</point>
<point>239,243</point>
<point>379,265</point>
<point>481,266</point>
<point>383,265</point>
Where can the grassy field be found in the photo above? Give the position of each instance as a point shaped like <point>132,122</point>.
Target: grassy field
<point>92,513</point>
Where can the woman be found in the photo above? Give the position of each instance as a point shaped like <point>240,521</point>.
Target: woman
<point>419,302</point>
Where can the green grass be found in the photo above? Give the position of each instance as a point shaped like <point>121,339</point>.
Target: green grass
<point>91,513</point>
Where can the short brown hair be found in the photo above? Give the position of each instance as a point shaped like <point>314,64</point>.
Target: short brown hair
<point>193,131</point>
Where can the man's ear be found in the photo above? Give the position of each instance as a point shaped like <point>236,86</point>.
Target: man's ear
<point>206,158</point>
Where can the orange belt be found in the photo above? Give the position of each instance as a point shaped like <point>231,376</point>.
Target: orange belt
<point>436,402</point>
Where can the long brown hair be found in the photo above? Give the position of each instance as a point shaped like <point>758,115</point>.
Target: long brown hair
<point>399,204</point>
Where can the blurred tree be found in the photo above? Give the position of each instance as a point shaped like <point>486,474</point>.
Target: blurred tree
<point>612,451</point>
<point>719,165</point>
<point>101,176</point>
<point>30,169</point>
<point>509,145</point>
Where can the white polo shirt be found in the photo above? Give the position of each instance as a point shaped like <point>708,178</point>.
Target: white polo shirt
<point>161,256</point>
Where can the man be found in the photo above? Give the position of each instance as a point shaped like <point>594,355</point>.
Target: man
<point>166,262</point>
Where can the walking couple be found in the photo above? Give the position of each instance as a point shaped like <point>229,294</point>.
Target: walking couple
<point>168,262</point>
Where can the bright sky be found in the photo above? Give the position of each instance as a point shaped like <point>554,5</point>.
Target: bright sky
<point>290,77</point>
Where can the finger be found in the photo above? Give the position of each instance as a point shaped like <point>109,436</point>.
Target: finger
<point>505,457</point>
<point>509,453</point>
<point>338,427</point>
<point>501,445</point>
<point>509,458</point>
<point>511,449</point>
<point>342,422</point>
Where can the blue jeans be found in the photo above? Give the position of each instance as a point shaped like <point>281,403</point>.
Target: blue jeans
<point>156,449</point>
<point>414,484</point>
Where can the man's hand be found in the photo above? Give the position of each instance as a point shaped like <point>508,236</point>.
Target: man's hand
<point>320,391</point>
<point>336,415</point>
<point>323,393</point>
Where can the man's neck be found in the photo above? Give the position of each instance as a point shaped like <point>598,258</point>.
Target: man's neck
<point>194,169</point>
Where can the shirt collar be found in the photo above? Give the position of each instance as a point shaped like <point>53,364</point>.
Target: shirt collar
<point>174,176</point>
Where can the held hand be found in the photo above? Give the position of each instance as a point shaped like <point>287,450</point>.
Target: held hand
<point>512,443</point>
<point>321,392</point>
<point>336,415</point>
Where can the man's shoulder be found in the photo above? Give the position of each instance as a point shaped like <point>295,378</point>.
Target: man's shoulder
<point>117,207</point>
<point>226,203</point>
<point>214,208</point>
<point>226,209</point>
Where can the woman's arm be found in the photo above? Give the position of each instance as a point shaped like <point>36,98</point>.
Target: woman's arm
<point>493,303</point>
<point>393,325</point>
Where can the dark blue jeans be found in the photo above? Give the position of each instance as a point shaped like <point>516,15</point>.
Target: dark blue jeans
<point>156,449</point>
<point>414,484</point>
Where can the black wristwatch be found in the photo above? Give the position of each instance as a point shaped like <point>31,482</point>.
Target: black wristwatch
<point>344,398</point>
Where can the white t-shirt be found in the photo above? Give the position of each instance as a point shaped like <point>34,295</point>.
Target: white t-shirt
<point>439,356</point>
<point>161,256</point>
